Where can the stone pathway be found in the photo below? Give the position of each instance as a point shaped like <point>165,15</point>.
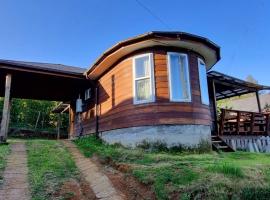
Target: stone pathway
<point>99,182</point>
<point>15,186</point>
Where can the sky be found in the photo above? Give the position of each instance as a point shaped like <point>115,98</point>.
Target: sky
<point>77,32</point>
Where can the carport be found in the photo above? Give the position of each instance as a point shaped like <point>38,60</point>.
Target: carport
<point>39,81</point>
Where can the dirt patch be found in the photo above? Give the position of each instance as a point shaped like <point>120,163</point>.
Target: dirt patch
<point>123,181</point>
<point>76,190</point>
<point>129,186</point>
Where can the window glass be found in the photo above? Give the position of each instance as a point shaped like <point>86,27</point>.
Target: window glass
<point>87,94</point>
<point>143,90</point>
<point>142,67</point>
<point>203,82</point>
<point>179,77</point>
<point>143,79</point>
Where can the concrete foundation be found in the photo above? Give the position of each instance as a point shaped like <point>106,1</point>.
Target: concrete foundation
<point>172,135</point>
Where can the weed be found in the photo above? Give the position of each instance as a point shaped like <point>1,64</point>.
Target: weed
<point>4,151</point>
<point>227,169</point>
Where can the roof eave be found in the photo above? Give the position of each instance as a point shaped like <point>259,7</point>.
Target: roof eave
<point>157,35</point>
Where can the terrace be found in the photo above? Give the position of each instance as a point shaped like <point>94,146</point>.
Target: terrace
<point>238,125</point>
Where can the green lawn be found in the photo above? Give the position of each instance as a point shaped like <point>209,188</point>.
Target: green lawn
<point>184,175</point>
<point>50,165</point>
<point>4,151</point>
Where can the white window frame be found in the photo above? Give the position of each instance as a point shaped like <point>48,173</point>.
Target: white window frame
<point>151,77</point>
<point>187,75</point>
<point>204,103</point>
<point>87,94</point>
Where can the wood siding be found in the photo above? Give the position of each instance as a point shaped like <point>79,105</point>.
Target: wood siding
<point>116,108</point>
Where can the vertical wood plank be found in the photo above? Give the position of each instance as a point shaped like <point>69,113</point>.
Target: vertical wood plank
<point>252,123</point>
<point>6,110</point>
<point>238,122</point>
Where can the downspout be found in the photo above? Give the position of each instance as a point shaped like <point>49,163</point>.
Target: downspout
<point>96,106</point>
<point>96,109</point>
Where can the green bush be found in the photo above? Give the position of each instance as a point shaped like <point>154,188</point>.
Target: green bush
<point>204,146</point>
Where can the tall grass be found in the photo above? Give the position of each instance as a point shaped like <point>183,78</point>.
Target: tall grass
<point>4,151</point>
<point>49,165</point>
<point>227,169</point>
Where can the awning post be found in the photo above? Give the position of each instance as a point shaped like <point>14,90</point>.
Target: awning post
<point>258,101</point>
<point>6,110</point>
<point>215,106</point>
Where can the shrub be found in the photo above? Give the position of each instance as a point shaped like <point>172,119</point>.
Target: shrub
<point>204,146</point>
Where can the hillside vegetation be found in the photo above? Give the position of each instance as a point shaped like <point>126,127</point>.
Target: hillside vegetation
<point>189,175</point>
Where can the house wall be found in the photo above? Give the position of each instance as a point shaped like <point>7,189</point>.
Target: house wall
<point>116,108</point>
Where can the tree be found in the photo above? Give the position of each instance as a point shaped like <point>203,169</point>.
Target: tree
<point>24,114</point>
<point>266,108</point>
<point>251,79</point>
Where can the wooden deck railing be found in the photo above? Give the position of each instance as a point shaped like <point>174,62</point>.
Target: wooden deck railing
<point>235,122</point>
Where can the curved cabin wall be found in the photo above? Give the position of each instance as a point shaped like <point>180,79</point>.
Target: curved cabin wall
<point>116,97</point>
<point>117,112</point>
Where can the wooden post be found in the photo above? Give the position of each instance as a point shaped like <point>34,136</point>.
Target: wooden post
<point>215,106</point>
<point>71,121</point>
<point>58,126</point>
<point>252,123</point>
<point>37,122</point>
<point>6,110</point>
<point>258,101</point>
<point>222,119</point>
<point>267,124</point>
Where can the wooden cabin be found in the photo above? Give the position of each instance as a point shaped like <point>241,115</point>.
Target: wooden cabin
<point>153,87</point>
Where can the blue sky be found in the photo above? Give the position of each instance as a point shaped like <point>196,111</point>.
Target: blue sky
<point>76,32</point>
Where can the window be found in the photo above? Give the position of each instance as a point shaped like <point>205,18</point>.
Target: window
<point>203,82</point>
<point>87,94</point>
<point>143,79</point>
<point>179,77</point>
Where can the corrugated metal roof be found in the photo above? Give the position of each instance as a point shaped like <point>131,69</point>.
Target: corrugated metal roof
<point>248,103</point>
<point>227,86</point>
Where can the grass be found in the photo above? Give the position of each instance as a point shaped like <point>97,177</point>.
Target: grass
<point>227,169</point>
<point>4,151</point>
<point>186,175</point>
<point>50,165</point>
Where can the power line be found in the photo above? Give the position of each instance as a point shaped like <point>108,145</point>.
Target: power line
<point>153,14</point>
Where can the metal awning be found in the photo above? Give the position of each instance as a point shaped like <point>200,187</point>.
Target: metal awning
<point>227,86</point>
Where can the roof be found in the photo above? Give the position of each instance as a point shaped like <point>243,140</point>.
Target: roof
<point>208,49</point>
<point>58,68</point>
<point>43,81</point>
<point>227,86</point>
<point>248,103</point>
